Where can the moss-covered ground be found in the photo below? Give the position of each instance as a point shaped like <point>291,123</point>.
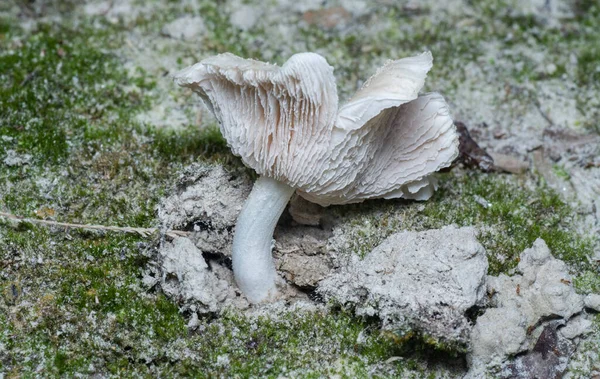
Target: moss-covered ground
<point>71,301</point>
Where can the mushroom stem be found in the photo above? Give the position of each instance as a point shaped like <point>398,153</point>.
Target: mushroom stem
<point>253,266</point>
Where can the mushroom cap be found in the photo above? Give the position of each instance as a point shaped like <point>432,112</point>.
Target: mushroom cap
<point>284,123</point>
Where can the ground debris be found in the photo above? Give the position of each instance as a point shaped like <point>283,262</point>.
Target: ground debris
<point>471,155</point>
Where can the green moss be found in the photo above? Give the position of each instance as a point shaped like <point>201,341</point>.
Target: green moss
<point>509,215</point>
<point>588,282</point>
<point>560,172</point>
<point>84,285</point>
<point>293,342</point>
<point>588,67</point>
<point>73,107</point>
<point>50,88</point>
<point>83,313</point>
<point>511,218</point>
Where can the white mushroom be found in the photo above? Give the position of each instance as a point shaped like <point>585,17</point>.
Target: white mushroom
<point>284,123</point>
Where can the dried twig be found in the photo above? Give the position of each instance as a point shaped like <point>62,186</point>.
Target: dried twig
<point>144,232</point>
<point>538,106</point>
<point>29,76</point>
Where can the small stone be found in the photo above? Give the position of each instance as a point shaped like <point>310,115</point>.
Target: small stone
<point>509,163</point>
<point>304,212</point>
<point>481,201</point>
<point>223,360</point>
<point>194,321</point>
<point>576,327</point>
<point>499,134</point>
<point>148,280</point>
<point>592,301</point>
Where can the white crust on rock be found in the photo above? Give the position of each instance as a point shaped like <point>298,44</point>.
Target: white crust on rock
<point>422,280</point>
<point>284,123</point>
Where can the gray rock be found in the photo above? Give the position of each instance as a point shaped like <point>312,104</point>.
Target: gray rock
<point>208,199</point>
<point>498,332</point>
<point>185,276</point>
<point>577,326</point>
<point>544,287</point>
<point>422,280</point>
<point>593,301</point>
<point>540,291</point>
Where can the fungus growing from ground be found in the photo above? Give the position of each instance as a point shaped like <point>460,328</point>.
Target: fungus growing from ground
<point>284,122</point>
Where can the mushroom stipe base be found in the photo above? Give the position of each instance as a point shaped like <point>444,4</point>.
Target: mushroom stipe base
<point>253,266</point>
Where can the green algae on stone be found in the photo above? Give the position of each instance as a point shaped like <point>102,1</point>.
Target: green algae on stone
<point>513,218</point>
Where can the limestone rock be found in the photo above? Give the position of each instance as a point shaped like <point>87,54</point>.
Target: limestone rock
<point>544,288</point>
<point>593,301</point>
<point>207,199</point>
<point>498,327</point>
<point>185,276</point>
<point>423,280</point>
<point>540,291</point>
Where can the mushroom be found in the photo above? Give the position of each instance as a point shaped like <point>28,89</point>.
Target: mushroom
<point>284,122</point>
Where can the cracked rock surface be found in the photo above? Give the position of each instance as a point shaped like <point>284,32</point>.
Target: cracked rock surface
<point>424,280</point>
<point>535,316</point>
<point>207,199</point>
<point>186,276</point>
